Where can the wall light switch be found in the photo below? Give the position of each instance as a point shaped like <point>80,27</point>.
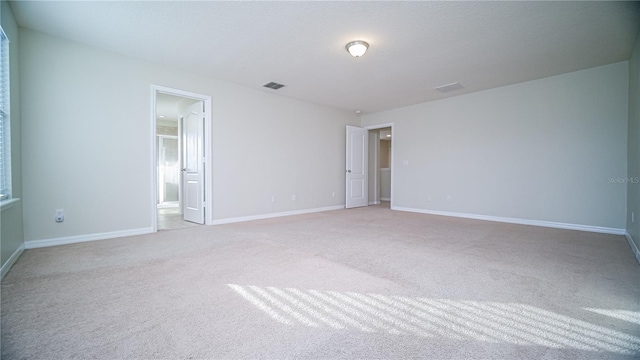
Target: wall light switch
<point>333,194</point>
<point>405,162</point>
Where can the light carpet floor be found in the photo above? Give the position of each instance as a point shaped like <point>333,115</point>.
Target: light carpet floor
<point>360,283</point>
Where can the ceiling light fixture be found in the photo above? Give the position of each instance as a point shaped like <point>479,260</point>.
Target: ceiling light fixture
<point>357,48</point>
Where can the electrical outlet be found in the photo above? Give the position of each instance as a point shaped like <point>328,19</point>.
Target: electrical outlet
<point>273,198</point>
<point>59,215</point>
<point>429,198</point>
<point>448,197</point>
<point>333,194</point>
<point>293,197</point>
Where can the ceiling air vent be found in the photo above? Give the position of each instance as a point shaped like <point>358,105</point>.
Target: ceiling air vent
<point>273,85</point>
<point>449,87</point>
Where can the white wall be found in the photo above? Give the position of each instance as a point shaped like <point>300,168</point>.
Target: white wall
<point>87,142</point>
<point>633,187</point>
<point>11,231</point>
<point>540,150</point>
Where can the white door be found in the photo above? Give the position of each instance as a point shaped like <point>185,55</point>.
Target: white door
<point>357,161</point>
<point>193,163</point>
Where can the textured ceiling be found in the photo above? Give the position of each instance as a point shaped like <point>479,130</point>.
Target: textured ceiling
<point>414,46</point>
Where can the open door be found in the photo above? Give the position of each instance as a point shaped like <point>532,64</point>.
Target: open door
<point>193,163</point>
<point>357,191</point>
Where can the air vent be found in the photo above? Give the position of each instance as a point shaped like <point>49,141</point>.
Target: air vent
<point>273,85</point>
<point>449,87</point>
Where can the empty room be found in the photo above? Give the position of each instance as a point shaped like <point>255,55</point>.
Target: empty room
<point>358,179</point>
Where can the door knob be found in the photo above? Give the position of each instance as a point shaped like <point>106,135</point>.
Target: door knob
<point>183,169</point>
<point>348,171</point>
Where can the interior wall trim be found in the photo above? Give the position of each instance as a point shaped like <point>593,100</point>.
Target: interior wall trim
<point>12,260</point>
<point>274,215</point>
<point>634,248</point>
<point>551,224</point>
<point>33,244</point>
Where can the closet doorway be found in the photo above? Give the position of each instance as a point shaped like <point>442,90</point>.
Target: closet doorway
<point>380,165</point>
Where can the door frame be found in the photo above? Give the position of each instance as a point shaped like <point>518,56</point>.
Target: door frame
<point>208,163</point>
<point>393,168</point>
<point>375,151</point>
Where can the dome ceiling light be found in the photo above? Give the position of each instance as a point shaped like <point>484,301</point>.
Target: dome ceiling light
<point>357,48</point>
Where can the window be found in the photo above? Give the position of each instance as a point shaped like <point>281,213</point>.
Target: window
<point>5,122</point>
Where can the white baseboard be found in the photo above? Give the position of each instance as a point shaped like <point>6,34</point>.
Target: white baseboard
<point>374,202</point>
<point>33,244</point>
<point>634,248</point>
<point>385,199</point>
<point>12,260</point>
<point>551,224</point>
<point>274,215</point>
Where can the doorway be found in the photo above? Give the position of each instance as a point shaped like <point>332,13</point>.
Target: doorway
<point>168,155</point>
<point>181,127</point>
<point>369,163</point>
<point>380,159</point>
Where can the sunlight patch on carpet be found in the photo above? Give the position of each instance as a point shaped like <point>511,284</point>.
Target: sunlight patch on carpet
<point>625,315</point>
<point>495,322</point>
